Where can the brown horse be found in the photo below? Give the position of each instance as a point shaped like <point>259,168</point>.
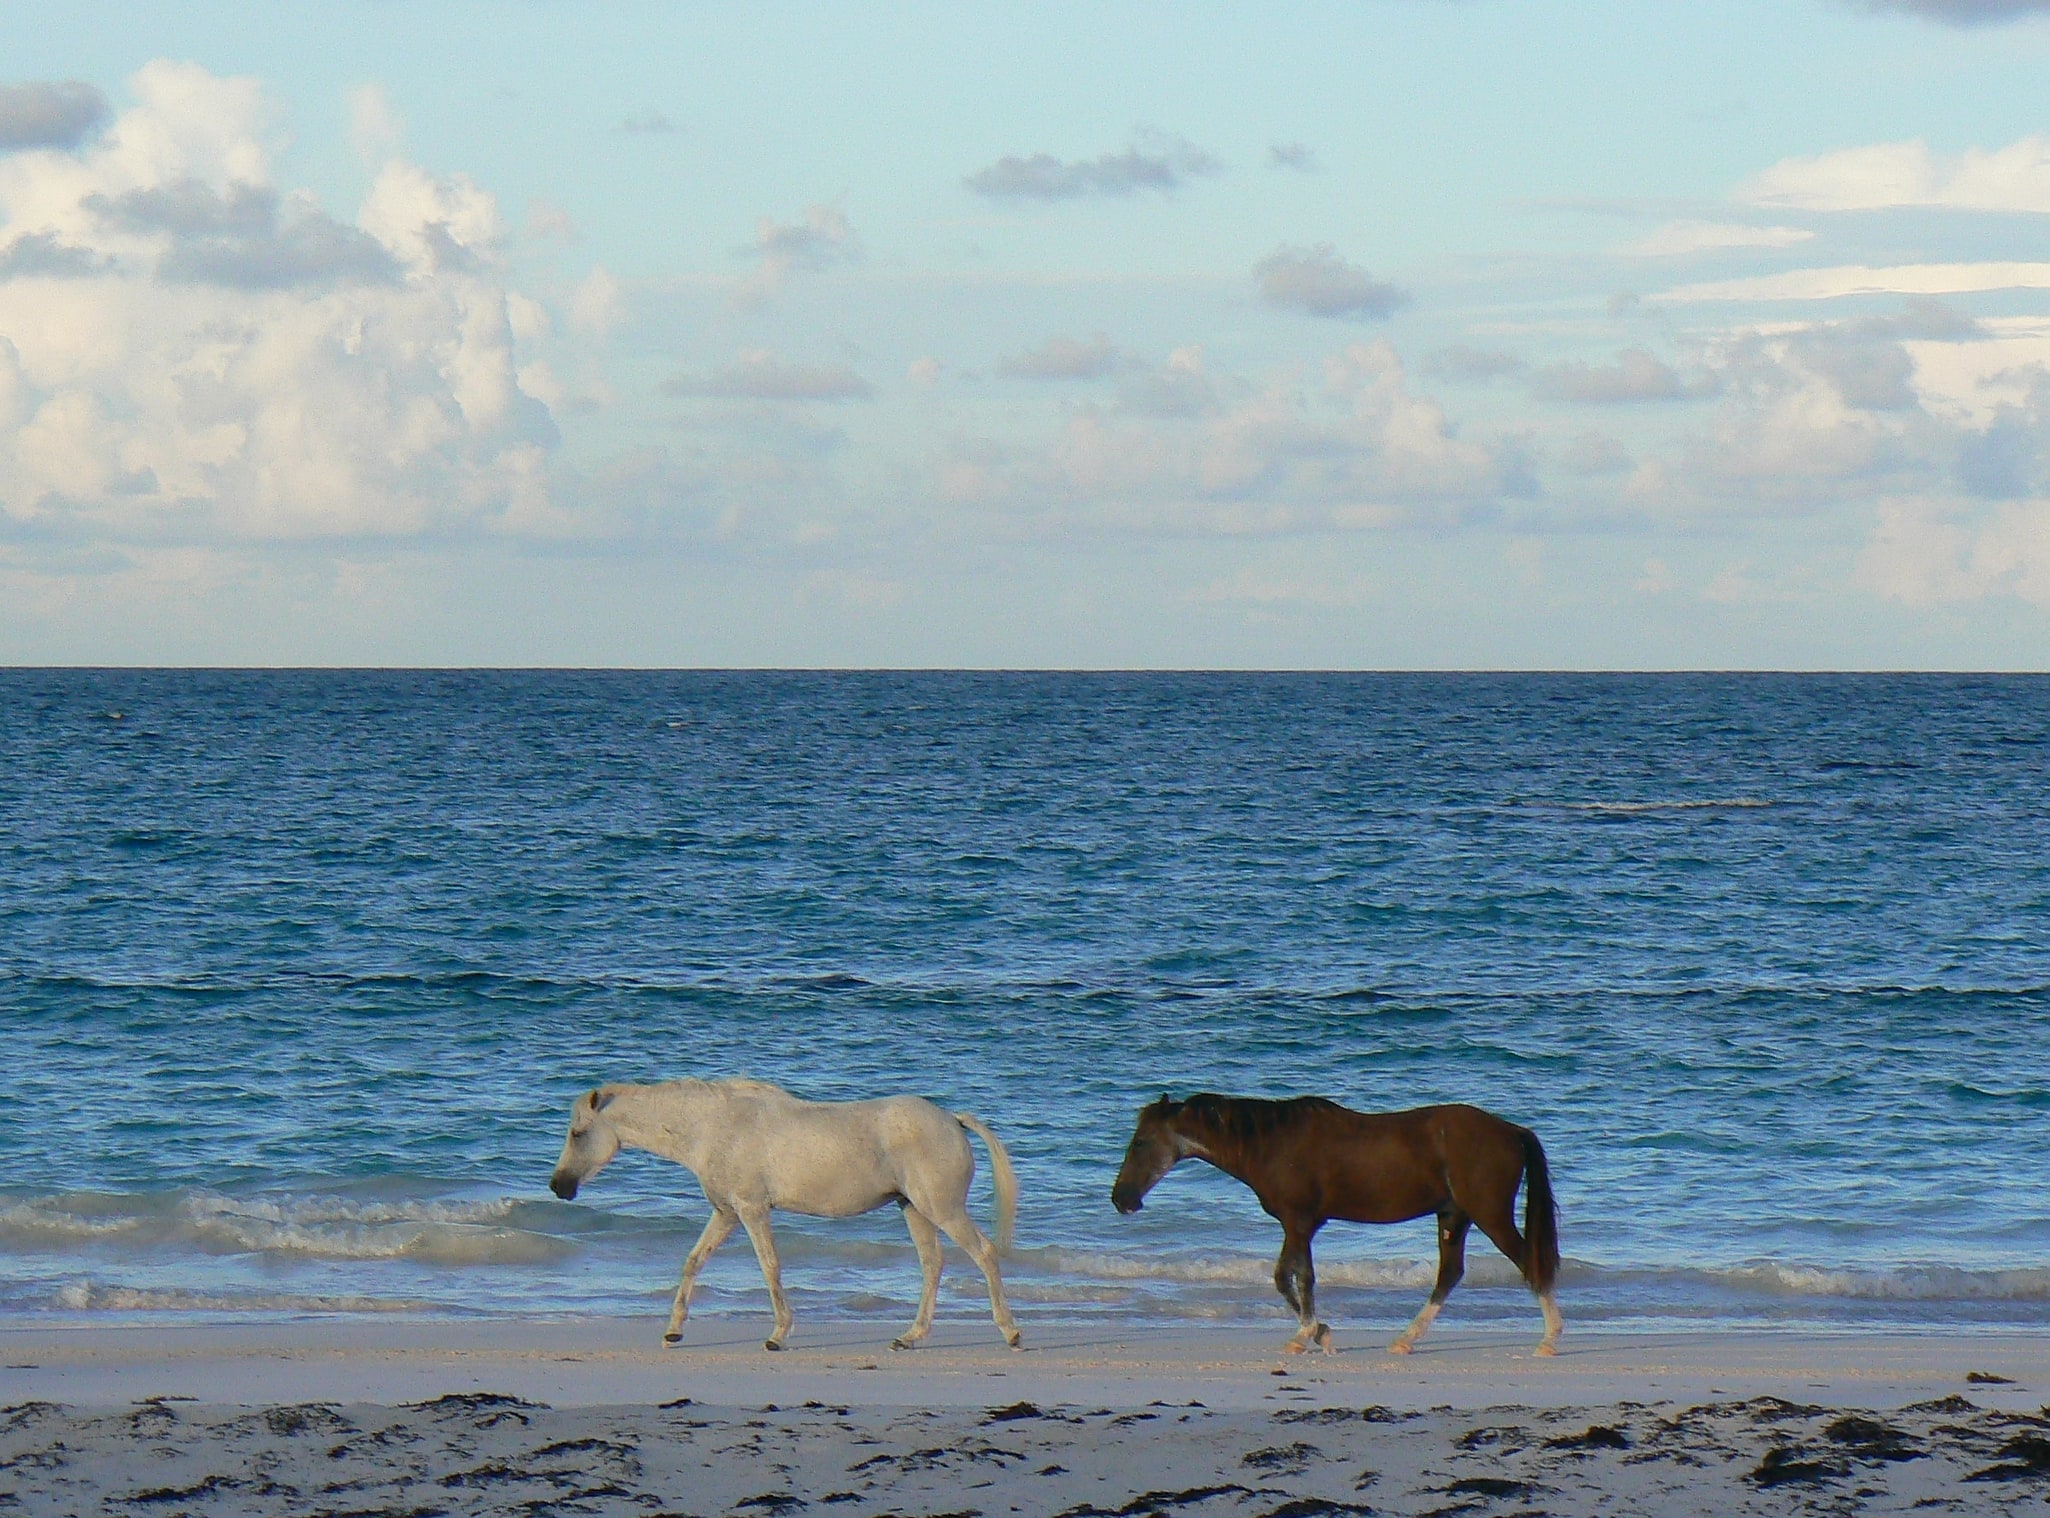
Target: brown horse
<point>1309,1160</point>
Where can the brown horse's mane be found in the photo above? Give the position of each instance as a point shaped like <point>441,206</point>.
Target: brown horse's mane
<point>1247,1119</point>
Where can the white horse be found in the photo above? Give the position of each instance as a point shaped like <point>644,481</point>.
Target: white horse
<point>754,1147</point>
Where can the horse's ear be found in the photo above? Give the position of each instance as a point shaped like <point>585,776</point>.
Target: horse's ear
<point>591,1098</point>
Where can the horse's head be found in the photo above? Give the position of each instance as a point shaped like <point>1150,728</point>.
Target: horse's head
<point>591,1143</point>
<point>1156,1148</point>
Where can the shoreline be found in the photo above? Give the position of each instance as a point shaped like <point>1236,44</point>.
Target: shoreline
<point>612,1361</point>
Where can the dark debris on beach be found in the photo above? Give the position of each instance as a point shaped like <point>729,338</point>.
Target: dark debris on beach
<point>470,1455</point>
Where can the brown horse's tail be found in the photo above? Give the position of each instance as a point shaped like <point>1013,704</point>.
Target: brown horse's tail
<point>1540,1219</point>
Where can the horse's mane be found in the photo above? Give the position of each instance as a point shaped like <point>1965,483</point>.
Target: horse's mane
<point>748,1083</point>
<point>1247,1118</point>
<point>741,1084</point>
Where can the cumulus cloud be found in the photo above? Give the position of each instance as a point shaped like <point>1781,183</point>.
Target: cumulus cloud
<point>1361,451</point>
<point>1317,282</point>
<point>1635,375</point>
<point>234,236</point>
<point>49,114</point>
<point>598,304</point>
<point>758,374</point>
<point>1183,386</point>
<point>1836,411</point>
<point>2009,457</point>
<point>1679,239</point>
<point>1065,358</point>
<point>1928,553</point>
<point>1162,166</point>
<point>241,364</point>
<point>375,125</point>
<point>41,255</point>
<point>1964,12</point>
<point>822,239</point>
<point>1894,174</point>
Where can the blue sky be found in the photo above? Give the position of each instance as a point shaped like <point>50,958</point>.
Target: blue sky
<point>1395,333</point>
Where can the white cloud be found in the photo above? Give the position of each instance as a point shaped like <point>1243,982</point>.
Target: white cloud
<point>1892,174</point>
<point>433,223</point>
<point>1359,452</point>
<point>1964,12</point>
<point>598,306</point>
<point>824,238</point>
<point>1679,239</point>
<point>1183,386</point>
<point>1927,553</point>
<point>240,364</point>
<point>1858,279</point>
<point>375,125</point>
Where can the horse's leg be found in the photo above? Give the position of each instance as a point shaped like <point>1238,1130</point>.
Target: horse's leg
<point>926,1237</point>
<point>1295,1276</point>
<point>1452,1228</point>
<point>717,1226</point>
<point>962,1230</point>
<point>1498,1222</point>
<point>756,1221</point>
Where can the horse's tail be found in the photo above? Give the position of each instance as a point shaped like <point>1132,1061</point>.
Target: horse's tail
<point>1002,1174</point>
<point>1540,1218</point>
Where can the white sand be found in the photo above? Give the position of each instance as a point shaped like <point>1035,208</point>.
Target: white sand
<point>1708,1423</point>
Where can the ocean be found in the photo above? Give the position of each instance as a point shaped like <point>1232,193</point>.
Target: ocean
<point>301,971</point>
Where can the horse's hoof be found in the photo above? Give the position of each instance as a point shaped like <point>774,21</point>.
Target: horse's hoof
<point>672,1338</point>
<point>1293,1347</point>
<point>1546,1350</point>
<point>1015,1339</point>
<point>771,1345</point>
<point>1323,1339</point>
<point>1399,1347</point>
<point>900,1344</point>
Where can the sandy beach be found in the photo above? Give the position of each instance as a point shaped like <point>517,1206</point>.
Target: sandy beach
<point>592,1416</point>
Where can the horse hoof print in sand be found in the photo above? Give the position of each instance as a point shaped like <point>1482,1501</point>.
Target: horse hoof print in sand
<point>1310,1160</point>
<point>754,1148</point>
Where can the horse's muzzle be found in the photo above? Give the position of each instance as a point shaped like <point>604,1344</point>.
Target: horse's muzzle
<point>564,1186</point>
<point>1125,1202</point>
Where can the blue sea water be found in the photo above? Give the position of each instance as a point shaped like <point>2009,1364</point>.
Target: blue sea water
<point>300,971</point>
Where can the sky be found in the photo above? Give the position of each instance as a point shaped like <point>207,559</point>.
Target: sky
<point>1589,334</point>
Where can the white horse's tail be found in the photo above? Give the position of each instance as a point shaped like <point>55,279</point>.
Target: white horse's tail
<point>1002,1174</point>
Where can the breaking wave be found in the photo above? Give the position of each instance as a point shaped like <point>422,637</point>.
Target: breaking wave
<point>314,1227</point>
<point>91,1296</point>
